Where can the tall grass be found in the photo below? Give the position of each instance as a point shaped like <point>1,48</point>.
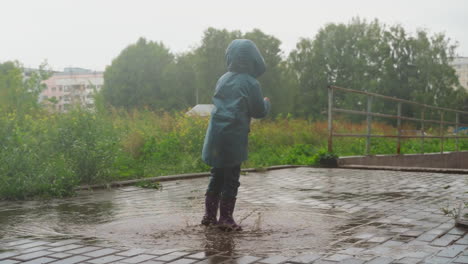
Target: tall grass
<point>48,154</point>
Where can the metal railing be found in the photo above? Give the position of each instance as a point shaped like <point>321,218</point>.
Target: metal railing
<point>399,117</point>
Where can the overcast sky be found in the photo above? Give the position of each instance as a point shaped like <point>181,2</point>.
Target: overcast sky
<point>90,33</point>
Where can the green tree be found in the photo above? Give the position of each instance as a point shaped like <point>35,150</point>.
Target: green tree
<point>20,88</point>
<point>209,61</point>
<point>372,57</point>
<point>136,78</point>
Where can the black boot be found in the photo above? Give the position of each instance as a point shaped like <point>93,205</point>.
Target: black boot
<point>226,221</point>
<point>211,209</point>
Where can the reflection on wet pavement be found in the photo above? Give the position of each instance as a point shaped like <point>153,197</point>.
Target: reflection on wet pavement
<point>288,211</point>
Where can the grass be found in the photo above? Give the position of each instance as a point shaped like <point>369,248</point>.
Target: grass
<point>47,155</point>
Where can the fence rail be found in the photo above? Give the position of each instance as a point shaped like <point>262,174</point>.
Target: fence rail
<point>399,117</point>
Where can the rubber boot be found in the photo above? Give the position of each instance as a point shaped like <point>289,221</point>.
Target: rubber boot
<point>226,221</point>
<point>211,210</point>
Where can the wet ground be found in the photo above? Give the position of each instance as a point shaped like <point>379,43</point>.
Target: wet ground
<point>287,212</point>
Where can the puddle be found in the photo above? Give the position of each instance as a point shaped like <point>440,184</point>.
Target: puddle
<point>285,212</point>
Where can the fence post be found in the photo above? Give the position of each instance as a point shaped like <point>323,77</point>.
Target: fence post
<point>441,132</point>
<point>422,130</point>
<point>399,128</point>
<point>330,119</point>
<point>457,120</point>
<point>369,124</point>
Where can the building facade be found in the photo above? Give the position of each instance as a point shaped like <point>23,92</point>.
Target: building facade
<point>73,86</point>
<point>460,65</point>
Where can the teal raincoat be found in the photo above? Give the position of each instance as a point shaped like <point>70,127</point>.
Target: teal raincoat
<point>237,99</point>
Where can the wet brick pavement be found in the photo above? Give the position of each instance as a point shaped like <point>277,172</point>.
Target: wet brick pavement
<point>301,215</point>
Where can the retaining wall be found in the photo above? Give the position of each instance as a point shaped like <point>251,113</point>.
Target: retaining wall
<point>450,160</point>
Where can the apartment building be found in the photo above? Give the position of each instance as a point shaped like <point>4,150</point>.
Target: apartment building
<point>460,65</point>
<point>73,86</point>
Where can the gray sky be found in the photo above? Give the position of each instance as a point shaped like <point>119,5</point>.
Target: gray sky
<point>90,33</point>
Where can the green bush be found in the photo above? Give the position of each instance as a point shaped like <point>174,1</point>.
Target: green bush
<point>48,154</point>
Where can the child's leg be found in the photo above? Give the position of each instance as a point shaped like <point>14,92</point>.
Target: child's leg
<point>231,182</point>
<point>212,197</point>
<point>216,183</point>
<point>228,199</point>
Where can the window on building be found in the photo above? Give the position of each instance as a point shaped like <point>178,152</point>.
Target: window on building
<point>45,97</point>
<point>66,106</point>
<point>60,88</point>
<point>54,89</point>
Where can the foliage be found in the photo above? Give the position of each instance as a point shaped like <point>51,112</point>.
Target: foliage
<point>19,93</point>
<point>137,77</point>
<point>149,185</point>
<point>375,58</point>
<point>327,159</point>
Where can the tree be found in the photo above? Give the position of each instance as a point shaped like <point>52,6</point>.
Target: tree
<point>19,88</point>
<point>209,61</point>
<point>136,78</point>
<point>371,57</point>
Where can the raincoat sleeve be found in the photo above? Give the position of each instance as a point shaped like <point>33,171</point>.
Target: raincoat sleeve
<point>258,107</point>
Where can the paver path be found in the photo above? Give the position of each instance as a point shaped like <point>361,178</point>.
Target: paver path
<point>300,215</point>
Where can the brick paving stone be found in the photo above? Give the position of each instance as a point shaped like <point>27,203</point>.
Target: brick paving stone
<point>407,261</point>
<point>66,247</point>
<point>72,260</point>
<point>29,250</point>
<point>161,252</point>
<point>82,250</point>
<point>352,261</point>
<point>364,235</point>
<point>457,231</point>
<point>106,259</point>
<point>101,252</point>
<point>337,257</point>
<point>392,243</point>
<point>8,254</point>
<point>132,252</point>
<point>9,261</point>
<point>139,258</point>
<point>201,255</point>
<point>60,255</point>
<point>462,241</point>
<point>31,245</point>
<point>151,262</point>
<point>243,260</point>
<point>379,239</point>
<point>215,260</point>
<point>63,242</point>
<point>305,258</point>
<point>380,260</point>
<point>445,240</point>
<point>461,259</point>
<point>427,237</point>
<point>43,260</point>
<point>19,242</point>
<point>274,260</point>
<point>171,256</point>
<point>412,233</point>
<point>183,261</point>
<point>437,260</point>
<point>33,255</point>
<point>437,231</point>
<point>321,261</point>
<point>452,251</point>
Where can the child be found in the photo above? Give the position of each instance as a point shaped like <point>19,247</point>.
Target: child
<point>237,99</point>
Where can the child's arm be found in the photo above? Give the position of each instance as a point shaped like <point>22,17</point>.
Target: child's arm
<point>259,107</point>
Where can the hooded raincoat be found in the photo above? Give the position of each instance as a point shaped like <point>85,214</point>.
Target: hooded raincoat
<point>237,99</point>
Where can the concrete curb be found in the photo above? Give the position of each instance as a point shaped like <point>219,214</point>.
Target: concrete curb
<point>176,177</point>
<point>415,169</point>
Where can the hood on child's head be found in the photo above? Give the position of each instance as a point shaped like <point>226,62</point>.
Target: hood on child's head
<point>243,56</point>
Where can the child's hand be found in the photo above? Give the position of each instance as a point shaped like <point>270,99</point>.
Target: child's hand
<point>266,99</point>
